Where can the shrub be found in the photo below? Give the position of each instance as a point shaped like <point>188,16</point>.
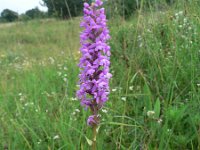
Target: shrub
<point>9,15</point>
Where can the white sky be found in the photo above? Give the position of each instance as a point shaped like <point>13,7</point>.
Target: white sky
<point>21,6</point>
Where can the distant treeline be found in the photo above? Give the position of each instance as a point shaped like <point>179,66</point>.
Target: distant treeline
<point>8,15</point>
<point>66,9</point>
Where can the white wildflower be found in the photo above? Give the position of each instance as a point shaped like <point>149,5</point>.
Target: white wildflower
<point>65,79</point>
<point>39,142</point>
<point>104,110</point>
<point>131,88</point>
<point>51,60</point>
<point>77,110</point>
<point>169,130</point>
<point>185,20</point>
<point>180,26</point>
<point>180,12</point>
<point>123,98</point>
<point>114,90</point>
<point>160,121</point>
<point>56,137</point>
<point>74,99</point>
<point>148,30</point>
<point>150,113</point>
<point>28,104</point>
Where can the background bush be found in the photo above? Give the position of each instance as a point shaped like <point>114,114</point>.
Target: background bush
<point>9,15</point>
<point>64,8</point>
<point>35,13</point>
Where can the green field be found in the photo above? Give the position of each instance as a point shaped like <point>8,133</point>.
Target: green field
<point>155,89</point>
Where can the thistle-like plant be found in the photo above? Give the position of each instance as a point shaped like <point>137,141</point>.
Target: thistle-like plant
<point>95,62</point>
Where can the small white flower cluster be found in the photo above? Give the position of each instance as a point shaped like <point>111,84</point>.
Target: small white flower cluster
<point>60,72</point>
<point>51,59</point>
<point>104,111</point>
<point>77,111</point>
<point>131,88</point>
<point>74,99</point>
<point>150,113</point>
<point>43,63</point>
<point>139,40</point>
<point>73,114</point>
<point>56,137</point>
<point>116,89</point>
<point>159,121</point>
<point>178,14</point>
<point>22,97</point>
<point>52,94</point>
<point>39,142</point>
<point>28,104</point>
<point>185,25</point>
<point>123,99</point>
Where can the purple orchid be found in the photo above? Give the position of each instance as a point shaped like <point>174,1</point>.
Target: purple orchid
<point>95,61</point>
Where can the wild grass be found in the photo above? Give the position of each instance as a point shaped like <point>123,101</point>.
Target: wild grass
<point>154,101</point>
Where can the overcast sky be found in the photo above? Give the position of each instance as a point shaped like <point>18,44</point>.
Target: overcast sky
<point>20,6</point>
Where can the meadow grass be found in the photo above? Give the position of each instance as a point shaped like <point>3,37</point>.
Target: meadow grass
<point>154,101</point>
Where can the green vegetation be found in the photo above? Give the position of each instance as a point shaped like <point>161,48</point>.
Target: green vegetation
<point>155,89</point>
<point>35,13</point>
<point>64,8</point>
<point>8,15</point>
<point>11,16</point>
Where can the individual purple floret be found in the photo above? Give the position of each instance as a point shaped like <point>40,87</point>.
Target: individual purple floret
<point>95,61</point>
